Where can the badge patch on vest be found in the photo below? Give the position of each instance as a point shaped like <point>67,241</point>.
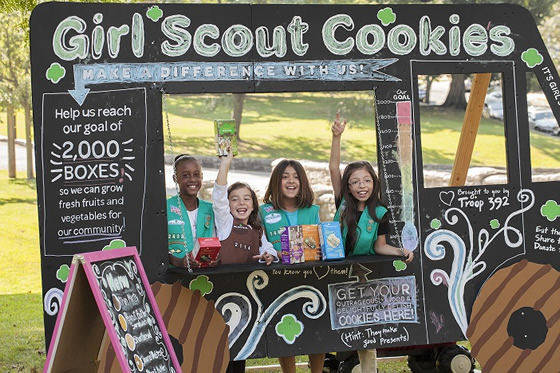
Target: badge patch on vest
<point>175,222</point>
<point>370,225</point>
<point>273,218</point>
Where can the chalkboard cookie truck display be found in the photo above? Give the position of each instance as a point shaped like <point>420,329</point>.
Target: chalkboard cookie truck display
<point>109,290</point>
<point>97,111</point>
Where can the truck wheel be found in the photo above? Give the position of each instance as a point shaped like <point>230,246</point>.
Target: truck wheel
<point>350,365</point>
<point>455,359</point>
<point>423,363</point>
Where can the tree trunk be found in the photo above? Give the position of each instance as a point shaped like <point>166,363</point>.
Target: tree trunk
<point>429,81</point>
<point>11,122</point>
<point>28,141</point>
<point>456,96</point>
<point>238,100</point>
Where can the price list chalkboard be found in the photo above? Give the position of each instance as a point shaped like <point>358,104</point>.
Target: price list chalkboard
<point>116,283</point>
<point>94,169</point>
<point>132,315</point>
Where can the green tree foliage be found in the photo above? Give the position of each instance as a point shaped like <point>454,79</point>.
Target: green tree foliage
<point>540,9</point>
<point>550,33</point>
<point>15,78</point>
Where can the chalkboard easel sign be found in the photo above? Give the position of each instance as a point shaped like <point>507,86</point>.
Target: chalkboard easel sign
<point>109,290</point>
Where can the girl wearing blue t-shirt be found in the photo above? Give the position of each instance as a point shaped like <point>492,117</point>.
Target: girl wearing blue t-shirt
<point>288,200</point>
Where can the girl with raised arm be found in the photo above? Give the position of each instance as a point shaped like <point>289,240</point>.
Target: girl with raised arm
<point>237,220</point>
<point>362,215</point>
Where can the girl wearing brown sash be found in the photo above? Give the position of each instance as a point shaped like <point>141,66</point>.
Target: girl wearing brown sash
<point>238,227</point>
<point>237,220</point>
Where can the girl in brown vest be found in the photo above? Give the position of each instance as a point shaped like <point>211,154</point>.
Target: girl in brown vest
<point>238,228</point>
<point>237,220</point>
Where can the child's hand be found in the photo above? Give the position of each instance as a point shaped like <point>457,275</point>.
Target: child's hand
<point>214,263</point>
<point>227,159</point>
<point>189,260</point>
<point>409,255</point>
<point>265,257</point>
<point>338,127</point>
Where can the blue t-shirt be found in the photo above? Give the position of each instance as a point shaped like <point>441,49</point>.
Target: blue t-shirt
<point>292,217</point>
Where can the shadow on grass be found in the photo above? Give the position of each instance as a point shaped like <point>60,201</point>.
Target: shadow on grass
<point>355,106</point>
<point>7,201</point>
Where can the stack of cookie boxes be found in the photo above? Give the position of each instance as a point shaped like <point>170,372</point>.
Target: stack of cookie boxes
<point>311,242</point>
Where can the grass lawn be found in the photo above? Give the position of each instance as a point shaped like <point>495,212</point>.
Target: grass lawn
<point>297,125</point>
<point>20,125</point>
<point>20,261</point>
<point>21,319</point>
<point>21,333</point>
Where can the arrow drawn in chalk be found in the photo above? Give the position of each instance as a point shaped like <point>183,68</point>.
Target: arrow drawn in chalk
<point>159,72</point>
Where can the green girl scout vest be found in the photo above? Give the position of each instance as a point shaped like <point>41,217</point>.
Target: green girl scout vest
<point>275,220</point>
<point>177,217</point>
<point>367,232</point>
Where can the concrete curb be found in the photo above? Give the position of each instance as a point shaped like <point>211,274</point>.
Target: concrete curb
<point>20,142</point>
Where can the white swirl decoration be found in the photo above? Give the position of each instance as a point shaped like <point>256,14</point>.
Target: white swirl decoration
<point>314,308</point>
<point>466,265</point>
<point>236,310</point>
<point>52,301</point>
<point>257,280</point>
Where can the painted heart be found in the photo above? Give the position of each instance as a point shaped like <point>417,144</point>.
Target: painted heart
<point>321,272</point>
<point>447,197</point>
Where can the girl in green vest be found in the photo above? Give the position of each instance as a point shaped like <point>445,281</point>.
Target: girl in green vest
<point>188,217</point>
<point>362,215</point>
<point>288,200</point>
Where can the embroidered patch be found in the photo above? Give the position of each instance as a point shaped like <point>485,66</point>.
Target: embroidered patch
<point>268,208</point>
<point>175,210</point>
<point>273,218</point>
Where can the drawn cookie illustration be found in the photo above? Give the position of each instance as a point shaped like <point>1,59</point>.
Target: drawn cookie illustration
<point>515,320</point>
<point>122,322</point>
<point>130,342</point>
<point>116,303</point>
<point>139,363</point>
<point>197,331</point>
<point>190,318</point>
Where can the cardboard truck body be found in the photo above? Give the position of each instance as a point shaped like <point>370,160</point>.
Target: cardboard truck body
<point>483,252</point>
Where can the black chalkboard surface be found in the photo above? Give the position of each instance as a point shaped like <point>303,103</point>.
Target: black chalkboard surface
<point>109,290</point>
<point>96,166</point>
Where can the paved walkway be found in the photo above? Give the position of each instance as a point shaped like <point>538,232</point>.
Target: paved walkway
<point>21,158</point>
